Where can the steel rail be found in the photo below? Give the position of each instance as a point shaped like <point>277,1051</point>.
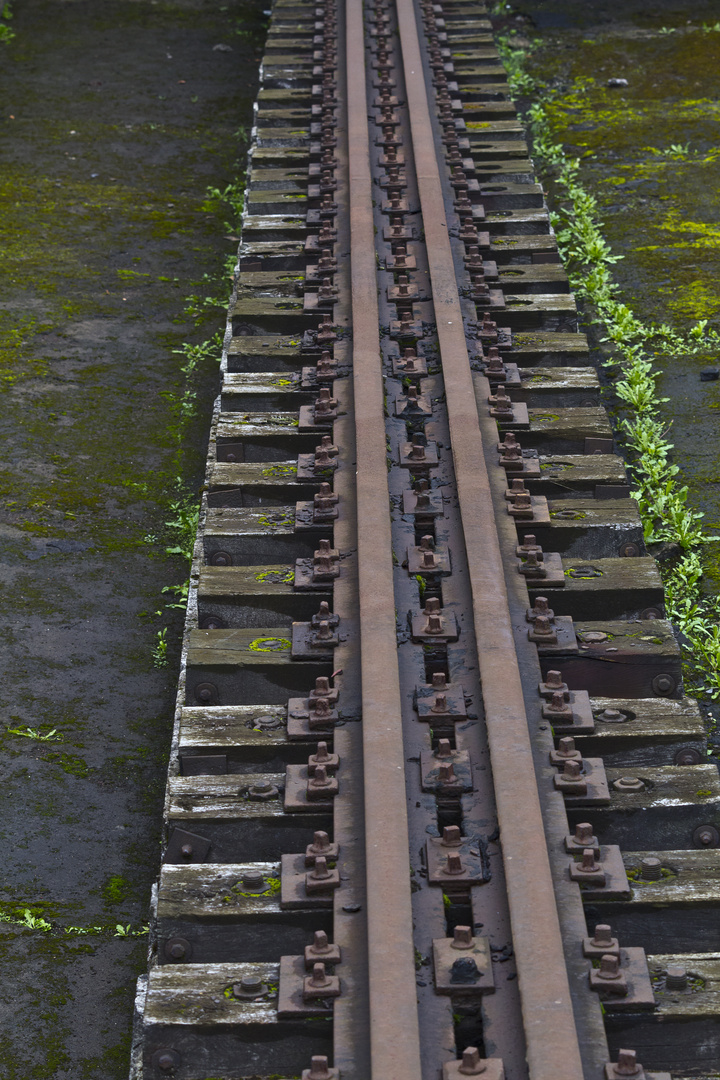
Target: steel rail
<point>394,1028</point>
<point>553,1051</point>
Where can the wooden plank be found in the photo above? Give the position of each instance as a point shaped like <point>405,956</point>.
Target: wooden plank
<point>212,891</point>
<point>562,474</point>
<point>683,1033</point>
<point>232,727</point>
<point>632,654</point>
<point>556,387</point>
<point>677,912</point>
<point>674,801</point>
<point>221,797</point>
<point>653,731</point>
<point>583,528</point>
<point>565,430</point>
<point>605,588</point>
<point>252,536</point>
<point>255,646</point>
<point>251,596</point>
<point>242,582</point>
<point>539,347</point>
<point>544,278</point>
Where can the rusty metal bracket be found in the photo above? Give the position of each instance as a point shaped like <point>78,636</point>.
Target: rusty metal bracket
<point>610,883</point>
<point>294,880</point>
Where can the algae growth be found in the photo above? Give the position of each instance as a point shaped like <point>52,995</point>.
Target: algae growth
<point>116,118</point>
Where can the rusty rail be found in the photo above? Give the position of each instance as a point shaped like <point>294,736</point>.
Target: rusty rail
<point>394,1036</point>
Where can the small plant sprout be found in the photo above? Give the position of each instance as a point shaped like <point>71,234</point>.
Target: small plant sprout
<point>34,733</point>
<point>159,653</point>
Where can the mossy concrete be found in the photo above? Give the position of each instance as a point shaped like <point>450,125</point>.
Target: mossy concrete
<point>650,156</point>
<point>116,116</point>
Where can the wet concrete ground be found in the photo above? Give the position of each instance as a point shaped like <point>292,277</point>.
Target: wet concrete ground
<point>651,155</point>
<point>115,117</point>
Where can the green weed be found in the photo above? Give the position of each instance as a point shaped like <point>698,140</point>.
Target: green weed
<point>159,653</point>
<point>35,733</point>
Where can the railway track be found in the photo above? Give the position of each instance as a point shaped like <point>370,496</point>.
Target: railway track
<point>437,806</point>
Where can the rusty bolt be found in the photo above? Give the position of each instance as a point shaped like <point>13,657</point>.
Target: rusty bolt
<point>322,754</point>
<point>443,748</point>
<point>472,1064</point>
<point>322,686</point>
<point>541,607</point>
<point>533,567</point>
<point>178,949</point>
<point>320,778</point>
<point>451,836</point>
<point>319,978</point>
<point>589,865</point>
<point>321,843</point>
<point>627,1063</point>
<point>609,967</point>
<point>320,870</point>
<point>583,833</point>
<point>439,705</point>
<point>417,450</point>
<point>687,755</point>
<point>438,680</point>
<point>517,487</point>
<point>429,560</point>
<point>166,1060</point>
<point>628,783</point>
<point>321,709</point>
<point>676,977</point>
<point>611,716</point>
<point>446,774</point>
<point>262,791</point>
<point>432,606</point>
<point>324,631</point>
<point>462,937</point>
<point>252,880</point>
<point>220,558</point>
<point>603,936</point>
<point>494,363</point>
<point>318,1069</point>
<point>453,864</point>
<point>663,685</point>
<point>250,987</point>
<point>326,366</point>
<point>322,457</point>
<point>409,359</point>
<point>706,836</point>
<point>320,943</point>
<point>529,547</point>
<point>566,747</point>
<point>650,868</point>
<point>553,679</point>
<point>572,769</point>
<point>543,628</point>
<point>324,614</point>
<point>434,624</point>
